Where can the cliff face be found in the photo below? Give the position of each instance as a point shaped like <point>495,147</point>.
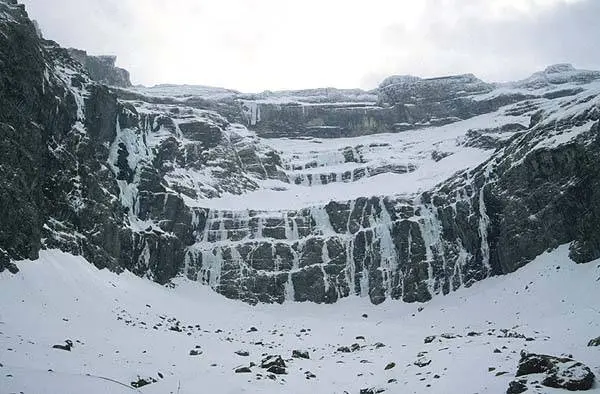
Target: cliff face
<point>444,182</point>
<point>102,69</point>
<point>400,103</point>
<point>35,109</point>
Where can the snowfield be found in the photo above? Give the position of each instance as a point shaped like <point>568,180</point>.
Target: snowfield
<point>324,157</point>
<point>124,328</point>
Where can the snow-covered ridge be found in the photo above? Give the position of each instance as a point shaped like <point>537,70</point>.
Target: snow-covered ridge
<point>183,91</point>
<point>558,74</point>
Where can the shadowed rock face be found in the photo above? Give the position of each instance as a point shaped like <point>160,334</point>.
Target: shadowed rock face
<point>164,184</point>
<point>399,104</point>
<point>102,69</point>
<point>31,117</point>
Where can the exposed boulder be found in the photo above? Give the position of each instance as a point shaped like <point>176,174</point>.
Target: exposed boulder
<point>557,372</point>
<point>273,360</point>
<point>594,342</point>
<point>67,346</point>
<point>516,387</point>
<point>141,382</point>
<point>300,354</point>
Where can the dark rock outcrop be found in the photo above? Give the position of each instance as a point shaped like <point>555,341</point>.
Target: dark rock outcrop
<point>35,114</point>
<point>516,387</point>
<point>558,372</point>
<point>141,382</point>
<point>300,354</point>
<point>274,364</point>
<point>67,346</point>
<point>6,264</point>
<point>102,69</point>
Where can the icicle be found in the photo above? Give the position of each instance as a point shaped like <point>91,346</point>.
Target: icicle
<point>321,218</point>
<point>222,232</point>
<point>144,258</point>
<point>364,280</point>
<point>211,267</point>
<point>389,258</point>
<point>350,270</point>
<point>460,262</point>
<point>260,227</point>
<point>325,258</point>
<point>291,231</point>
<point>289,289</point>
<point>186,263</point>
<point>430,227</point>
<point>252,112</point>
<point>290,294</point>
<point>295,232</point>
<point>209,216</point>
<point>484,222</point>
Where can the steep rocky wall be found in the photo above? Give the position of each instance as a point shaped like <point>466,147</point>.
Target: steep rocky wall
<point>102,69</point>
<point>323,120</point>
<point>399,104</point>
<point>547,197</point>
<point>56,127</point>
<point>34,113</point>
<point>377,247</point>
<point>529,197</point>
<point>534,194</point>
<point>128,181</point>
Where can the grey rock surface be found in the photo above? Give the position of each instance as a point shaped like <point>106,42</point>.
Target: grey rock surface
<point>102,69</point>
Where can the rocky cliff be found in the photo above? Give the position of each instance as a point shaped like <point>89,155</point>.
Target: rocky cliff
<point>414,189</point>
<point>102,69</point>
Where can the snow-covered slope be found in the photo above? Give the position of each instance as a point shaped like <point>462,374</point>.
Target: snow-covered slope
<point>124,328</point>
<point>322,170</point>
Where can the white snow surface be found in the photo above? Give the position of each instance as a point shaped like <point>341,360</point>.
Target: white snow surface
<point>410,148</point>
<point>110,319</point>
<point>185,91</point>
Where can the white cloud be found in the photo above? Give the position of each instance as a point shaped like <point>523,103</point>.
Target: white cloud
<point>274,44</point>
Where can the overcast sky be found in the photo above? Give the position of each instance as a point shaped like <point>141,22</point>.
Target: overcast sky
<point>253,45</point>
